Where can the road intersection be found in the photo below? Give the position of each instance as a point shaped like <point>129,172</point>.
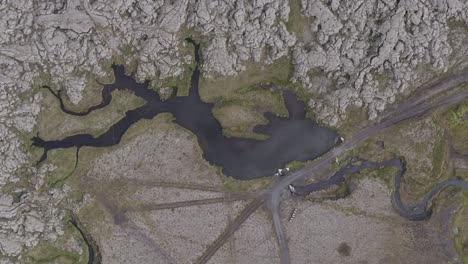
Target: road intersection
<point>414,106</point>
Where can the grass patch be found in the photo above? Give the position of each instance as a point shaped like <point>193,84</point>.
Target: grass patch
<point>384,174</point>
<point>341,191</point>
<point>162,123</point>
<point>182,82</point>
<point>297,22</point>
<point>44,78</point>
<point>233,185</point>
<point>460,238</point>
<point>59,251</point>
<point>460,138</point>
<point>53,255</point>
<point>356,119</point>
<point>126,57</point>
<point>462,173</point>
<point>384,78</point>
<point>457,123</point>
<point>127,51</point>
<point>64,160</point>
<point>91,94</point>
<point>54,124</point>
<point>243,86</point>
<point>236,119</point>
<point>459,116</point>
<point>438,156</point>
<point>255,73</point>
<point>241,133</point>
<point>297,165</point>
<point>457,24</point>
<point>94,223</point>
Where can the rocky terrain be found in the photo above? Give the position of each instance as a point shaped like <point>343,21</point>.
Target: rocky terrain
<point>373,51</point>
<point>345,54</point>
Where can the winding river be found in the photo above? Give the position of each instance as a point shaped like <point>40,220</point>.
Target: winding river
<point>416,212</point>
<point>292,138</point>
<point>94,256</point>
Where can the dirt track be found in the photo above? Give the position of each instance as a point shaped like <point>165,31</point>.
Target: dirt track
<point>415,106</point>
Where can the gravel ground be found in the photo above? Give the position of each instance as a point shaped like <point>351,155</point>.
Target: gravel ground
<point>164,164</point>
<point>358,229</point>
<point>164,152</point>
<point>254,242</point>
<point>161,165</point>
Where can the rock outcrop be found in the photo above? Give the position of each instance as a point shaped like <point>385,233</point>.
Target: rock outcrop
<point>357,53</point>
<point>362,45</point>
<point>241,31</point>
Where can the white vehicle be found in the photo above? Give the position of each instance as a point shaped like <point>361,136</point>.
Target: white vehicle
<point>287,168</point>
<point>336,160</point>
<point>280,172</point>
<point>342,139</point>
<point>291,188</point>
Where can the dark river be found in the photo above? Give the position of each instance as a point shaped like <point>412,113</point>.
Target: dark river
<point>291,138</point>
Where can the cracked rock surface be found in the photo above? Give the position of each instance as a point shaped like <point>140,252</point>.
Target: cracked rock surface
<point>359,45</point>
<point>353,54</point>
<point>241,31</point>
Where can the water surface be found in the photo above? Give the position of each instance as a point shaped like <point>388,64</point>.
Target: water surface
<point>290,138</point>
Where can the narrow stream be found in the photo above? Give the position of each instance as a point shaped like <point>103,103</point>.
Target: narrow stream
<point>94,257</point>
<point>415,212</point>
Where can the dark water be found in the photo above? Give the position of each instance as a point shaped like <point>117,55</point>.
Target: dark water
<point>416,212</point>
<point>292,138</point>
<point>94,256</point>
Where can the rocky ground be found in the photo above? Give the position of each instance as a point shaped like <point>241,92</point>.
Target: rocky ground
<point>362,228</point>
<point>342,55</point>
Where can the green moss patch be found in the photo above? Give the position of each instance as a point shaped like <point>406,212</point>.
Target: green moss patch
<point>64,160</point>
<point>439,155</point>
<point>458,119</point>
<point>460,227</point>
<point>297,22</point>
<point>244,86</point>
<point>233,185</point>
<point>54,124</point>
<point>237,120</point>
<point>61,250</point>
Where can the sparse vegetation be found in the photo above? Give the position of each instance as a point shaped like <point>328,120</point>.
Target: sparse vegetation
<point>356,119</point>
<point>297,165</point>
<point>460,138</point>
<point>457,24</point>
<point>456,122</point>
<point>233,185</point>
<point>237,119</point>
<point>54,124</point>
<point>60,251</point>
<point>53,255</point>
<point>383,78</point>
<point>243,133</point>
<point>64,160</point>
<point>298,23</point>
<point>439,156</point>
<point>181,83</point>
<point>459,116</point>
<point>460,226</point>
<point>243,87</point>
<point>91,94</point>
<point>384,174</point>
<point>127,51</point>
